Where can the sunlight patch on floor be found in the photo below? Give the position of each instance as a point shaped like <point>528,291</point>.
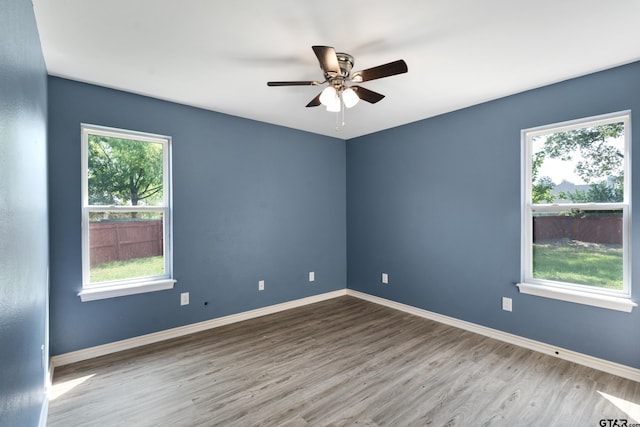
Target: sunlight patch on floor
<point>629,408</point>
<point>59,389</point>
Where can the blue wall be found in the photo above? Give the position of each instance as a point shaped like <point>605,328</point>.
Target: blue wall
<point>436,205</point>
<point>252,201</point>
<point>23,216</point>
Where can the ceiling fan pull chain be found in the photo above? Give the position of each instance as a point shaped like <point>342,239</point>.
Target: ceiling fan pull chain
<point>340,124</point>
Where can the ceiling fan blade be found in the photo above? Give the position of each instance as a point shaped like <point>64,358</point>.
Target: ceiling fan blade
<point>385,70</point>
<point>328,59</point>
<point>367,95</point>
<point>294,83</point>
<point>315,101</point>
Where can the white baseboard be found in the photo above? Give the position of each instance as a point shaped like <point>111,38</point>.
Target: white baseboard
<point>101,350</point>
<point>572,356</point>
<point>50,375</point>
<point>44,412</point>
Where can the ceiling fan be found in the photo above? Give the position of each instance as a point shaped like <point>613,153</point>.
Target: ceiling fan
<point>336,67</point>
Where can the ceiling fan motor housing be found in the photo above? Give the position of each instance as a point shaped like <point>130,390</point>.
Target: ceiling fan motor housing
<point>345,62</point>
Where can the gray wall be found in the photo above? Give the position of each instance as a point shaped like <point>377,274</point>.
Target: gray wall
<point>23,215</point>
<point>436,205</point>
<point>252,201</point>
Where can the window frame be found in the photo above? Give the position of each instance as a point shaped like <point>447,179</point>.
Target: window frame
<point>115,288</point>
<point>573,292</point>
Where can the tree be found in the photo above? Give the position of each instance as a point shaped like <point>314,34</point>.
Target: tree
<point>541,191</point>
<point>123,171</point>
<point>600,192</point>
<point>599,160</point>
<point>541,188</point>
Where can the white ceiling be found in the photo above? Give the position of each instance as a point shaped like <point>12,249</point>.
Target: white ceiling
<point>218,54</point>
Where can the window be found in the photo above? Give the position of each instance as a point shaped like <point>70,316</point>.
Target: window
<point>576,190</point>
<point>126,213</point>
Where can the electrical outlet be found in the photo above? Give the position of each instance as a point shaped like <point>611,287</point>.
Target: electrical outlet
<point>261,285</point>
<point>312,276</point>
<point>385,278</point>
<point>184,298</point>
<point>506,304</point>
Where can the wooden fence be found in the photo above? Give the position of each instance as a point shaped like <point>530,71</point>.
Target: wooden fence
<point>124,240</point>
<point>606,229</point>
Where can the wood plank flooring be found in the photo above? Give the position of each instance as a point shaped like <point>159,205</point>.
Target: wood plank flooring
<point>343,362</point>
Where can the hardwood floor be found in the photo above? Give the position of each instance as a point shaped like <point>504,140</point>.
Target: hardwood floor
<point>339,362</point>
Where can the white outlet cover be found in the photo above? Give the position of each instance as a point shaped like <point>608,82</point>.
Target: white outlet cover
<point>261,285</point>
<point>507,304</point>
<point>312,276</point>
<point>385,278</point>
<point>184,298</point>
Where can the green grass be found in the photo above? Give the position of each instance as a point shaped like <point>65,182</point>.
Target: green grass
<point>572,262</point>
<point>117,270</point>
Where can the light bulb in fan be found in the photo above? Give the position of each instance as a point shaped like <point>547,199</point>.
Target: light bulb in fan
<point>334,106</point>
<point>350,98</point>
<point>328,96</point>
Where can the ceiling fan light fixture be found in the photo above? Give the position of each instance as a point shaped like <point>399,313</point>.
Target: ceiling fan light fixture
<point>328,96</point>
<point>350,97</point>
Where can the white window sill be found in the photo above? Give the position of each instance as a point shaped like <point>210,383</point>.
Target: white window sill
<point>103,292</point>
<point>586,298</point>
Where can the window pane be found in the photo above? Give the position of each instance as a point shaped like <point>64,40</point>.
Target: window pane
<point>584,165</point>
<point>582,247</point>
<point>125,245</point>
<point>124,172</point>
